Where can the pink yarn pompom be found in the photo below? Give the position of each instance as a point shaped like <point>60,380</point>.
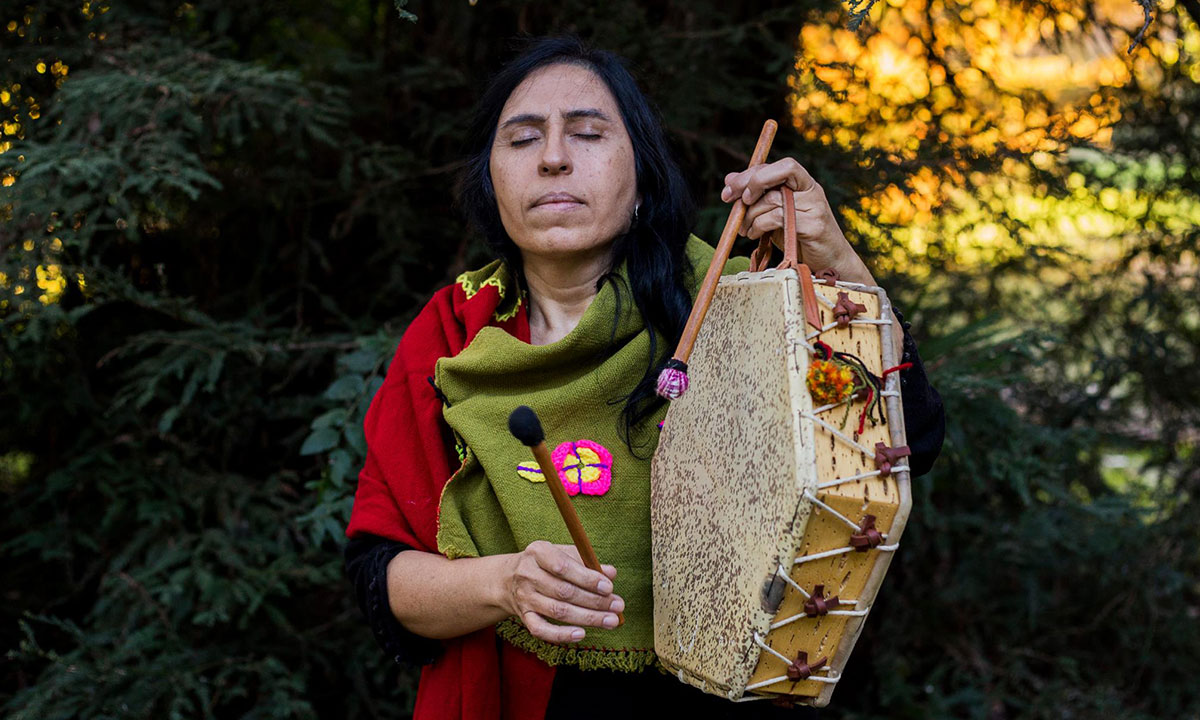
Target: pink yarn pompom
<point>672,383</point>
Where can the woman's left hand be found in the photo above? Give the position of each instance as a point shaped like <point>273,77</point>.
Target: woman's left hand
<point>822,244</point>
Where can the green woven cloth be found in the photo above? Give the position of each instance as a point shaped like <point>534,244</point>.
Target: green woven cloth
<point>576,385</point>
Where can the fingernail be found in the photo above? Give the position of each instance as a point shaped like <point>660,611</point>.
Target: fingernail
<point>577,635</point>
<point>725,193</point>
<point>610,621</point>
<point>617,605</point>
<point>605,587</point>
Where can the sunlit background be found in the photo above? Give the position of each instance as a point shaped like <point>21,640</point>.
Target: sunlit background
<point>1041,87</point>
<point>1033,85</point>
<point>954,81</point>
<point>40,276</point>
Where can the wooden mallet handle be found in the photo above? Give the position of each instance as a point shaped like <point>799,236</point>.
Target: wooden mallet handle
<point>709,287</point>
<point>523,423</point>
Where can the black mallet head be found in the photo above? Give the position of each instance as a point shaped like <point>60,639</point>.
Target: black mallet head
<point>523,423</point>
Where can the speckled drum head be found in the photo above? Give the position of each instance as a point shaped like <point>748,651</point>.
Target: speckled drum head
<point>759,499</point>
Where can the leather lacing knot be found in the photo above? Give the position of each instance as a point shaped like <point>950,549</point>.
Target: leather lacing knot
<point>802,669</point>
<point>846,309</point>
<point>888,457</point>
<point>867,536</point>
<point>817,604</point>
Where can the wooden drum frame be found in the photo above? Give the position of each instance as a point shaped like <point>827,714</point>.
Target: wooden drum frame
<point>773,522</point>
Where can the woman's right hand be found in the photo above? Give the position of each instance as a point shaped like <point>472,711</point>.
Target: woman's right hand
<point>547,582</point>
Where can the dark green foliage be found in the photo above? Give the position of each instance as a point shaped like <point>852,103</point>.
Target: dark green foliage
<point>258,197</point>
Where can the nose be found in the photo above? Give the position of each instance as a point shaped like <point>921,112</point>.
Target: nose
<point>556,159</point>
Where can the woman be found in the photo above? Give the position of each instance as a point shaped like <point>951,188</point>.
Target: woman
<point>571,183</point>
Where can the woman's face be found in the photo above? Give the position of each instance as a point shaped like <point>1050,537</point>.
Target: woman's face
<point>562,165</point>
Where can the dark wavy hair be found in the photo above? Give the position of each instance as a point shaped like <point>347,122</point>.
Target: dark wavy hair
<point>653,247</point>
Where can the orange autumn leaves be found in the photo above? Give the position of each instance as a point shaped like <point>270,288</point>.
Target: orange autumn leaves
<point>931,84</point>
<point>984,77</point>
<point>939,91</point>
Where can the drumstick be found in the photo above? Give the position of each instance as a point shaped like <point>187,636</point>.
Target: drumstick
<point>673,380</point>
<point>525,426</point>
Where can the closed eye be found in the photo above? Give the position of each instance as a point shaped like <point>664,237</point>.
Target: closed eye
<point>587,136</point>
<point>522,141</point>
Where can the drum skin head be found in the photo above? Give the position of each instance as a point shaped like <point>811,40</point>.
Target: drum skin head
<point>738,466</point>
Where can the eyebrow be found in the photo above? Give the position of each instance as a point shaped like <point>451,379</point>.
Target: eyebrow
<point>568,115</point>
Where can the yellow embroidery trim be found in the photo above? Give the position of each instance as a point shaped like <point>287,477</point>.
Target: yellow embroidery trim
<point>470,288</point>
<point>511,313</point>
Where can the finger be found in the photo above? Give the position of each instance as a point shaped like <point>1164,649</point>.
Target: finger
<point>552,587</point>
<point>564,562</point>
<point>768,203</point>
<point>573,552</point>
<point>567,614</point>
<point>765,223</point>
<point>786,171</point>
<point>811,215</point>
<point>542,629</point>
<point>728,193</point>
<point>756,180</point>
<point>735,185</point>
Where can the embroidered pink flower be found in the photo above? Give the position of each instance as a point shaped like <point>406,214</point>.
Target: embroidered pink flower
<point>583,467</point>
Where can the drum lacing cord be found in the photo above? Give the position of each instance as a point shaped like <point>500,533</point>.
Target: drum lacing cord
<point>846,312</point>
<point>832,676</point>
<point>827,408</point>
<point>840,551</point>
<point>783,574</point>
<point>832,324</point>
<point>839,434</point>
<point>813,499</point>
<point>860,476</point>
<point>854,444</point>
<point>883,455</point>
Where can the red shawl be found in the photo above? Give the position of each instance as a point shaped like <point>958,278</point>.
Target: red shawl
<point>410,458</point>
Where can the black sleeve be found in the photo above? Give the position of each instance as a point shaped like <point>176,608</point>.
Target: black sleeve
<point>924,416</point>
<point>367,558</point>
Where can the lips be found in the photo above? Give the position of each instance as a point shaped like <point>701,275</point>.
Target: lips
<point>557,198</point>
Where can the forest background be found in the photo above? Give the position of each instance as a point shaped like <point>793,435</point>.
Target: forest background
<point>218,217</point>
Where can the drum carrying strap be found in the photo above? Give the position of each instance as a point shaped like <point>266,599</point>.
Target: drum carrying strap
<point>791,256</point>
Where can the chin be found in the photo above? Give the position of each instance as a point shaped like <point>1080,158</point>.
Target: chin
<point>565,242</point>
